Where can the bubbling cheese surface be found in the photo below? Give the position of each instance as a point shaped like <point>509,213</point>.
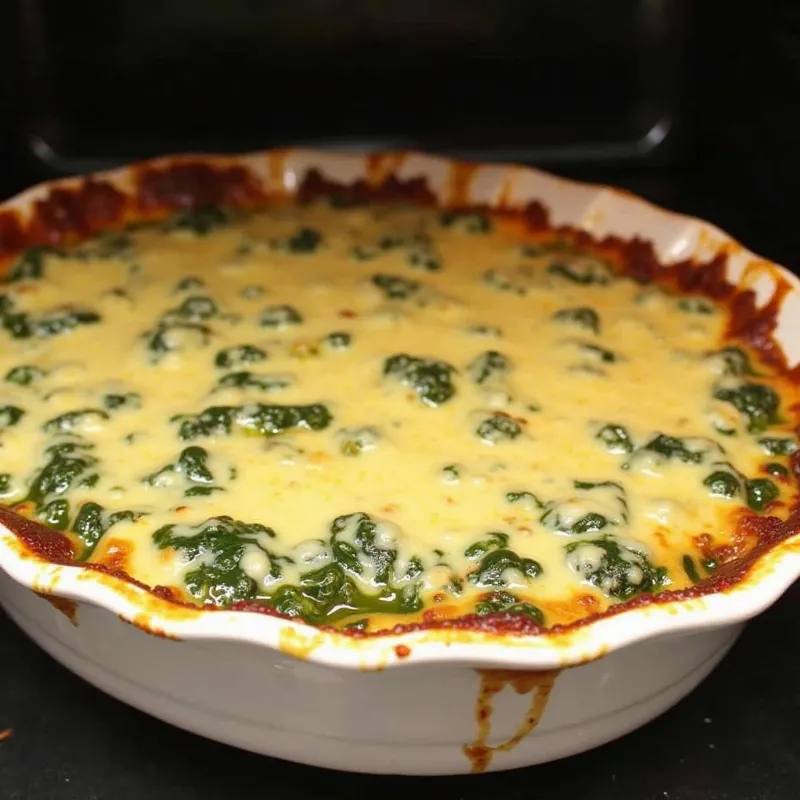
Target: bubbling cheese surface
<point>359,416</point>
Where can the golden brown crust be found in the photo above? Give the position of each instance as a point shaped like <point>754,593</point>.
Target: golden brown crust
<point>69,213</point>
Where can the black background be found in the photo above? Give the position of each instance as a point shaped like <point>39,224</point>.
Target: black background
<point>735,738</point>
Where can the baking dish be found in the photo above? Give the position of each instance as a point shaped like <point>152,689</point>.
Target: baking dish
<point>445,699</point>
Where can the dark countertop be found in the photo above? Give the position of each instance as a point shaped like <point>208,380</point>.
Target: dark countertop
<point>734,738</point>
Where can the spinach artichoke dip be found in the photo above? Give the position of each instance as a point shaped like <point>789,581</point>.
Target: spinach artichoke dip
<point>380,414</point>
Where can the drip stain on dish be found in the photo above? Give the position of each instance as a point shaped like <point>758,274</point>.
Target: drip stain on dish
<point>69,608</point>
<point>538,685</point>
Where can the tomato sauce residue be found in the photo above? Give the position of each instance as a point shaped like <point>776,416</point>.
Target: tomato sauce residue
<point>5,734</point>
<point>67,607</point>
<point>71,211</point>
<point>538,684</point>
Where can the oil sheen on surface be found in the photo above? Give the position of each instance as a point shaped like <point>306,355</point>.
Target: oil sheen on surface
<point>362,415</point>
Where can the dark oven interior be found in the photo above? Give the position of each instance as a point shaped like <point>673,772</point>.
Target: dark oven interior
<point>483,79</point>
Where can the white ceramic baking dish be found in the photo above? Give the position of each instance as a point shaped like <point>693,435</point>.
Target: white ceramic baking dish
<point>435,701</point>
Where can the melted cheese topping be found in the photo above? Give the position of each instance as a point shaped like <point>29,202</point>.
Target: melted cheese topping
<point>357,415</point>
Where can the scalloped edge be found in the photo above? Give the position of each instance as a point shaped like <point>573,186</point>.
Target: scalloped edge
<point>599,210</point>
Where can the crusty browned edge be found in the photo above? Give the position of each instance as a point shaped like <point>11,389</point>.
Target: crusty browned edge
<point>69,214</point>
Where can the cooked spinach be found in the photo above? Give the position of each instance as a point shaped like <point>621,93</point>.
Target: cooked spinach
<point>199,221</point>
<point>69,421</point>
<point>488,367</point>
<point>92,521</point>
<point>364,253</point>
<point>576,516</point>
<point>175,337</point>
<point>303,241</point>
<point>279,317</point>
<point>10,416</point>
<point>494,541</point>
<point>25,374</point>
<point>197,308</point>
<point>70,465</point>
<point>489,331</point>
<point>254,418</point>
<point>615,438</point>
<point>189,284</point>
<point>696,305</point>
<point>431,379</point>
<point>498,427</point>
<point>192,465</point>
<point>690,569</point>
<point>419,252</point>
<point>451,474</point>
<point>756,402</point>
<point>584,272</point>
<point>732,360</point>
<point>395,287</point>
<point>239,355</point>
<point>673,448</point>
<point>335,342</point>
<point>30,265</point>
<point>248,380</point>
<point>596,353</point>
<point>760,493</point>
<point>502,282</point>
<point>537,249</point>
<point>507,603</point>
<point>330,594</point>
<point>723,483</point>
<point>108,244</point>
<point>423,257</point>
<point>56,514</point>
<point>218,545</point>
<point>21,325</point>
<point>339,340</point>
<point>777,446</point>
<point>777,471</point>
<point>394,241</point>
<point>113,402</point>
<point>466,221</point>
<point>417,247</point>
<point>529,499</point>
<point>118,293</point>
<point>618,570</point>
<point>583,317</point>
<point>363,576</point>
<point>496,560</point>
